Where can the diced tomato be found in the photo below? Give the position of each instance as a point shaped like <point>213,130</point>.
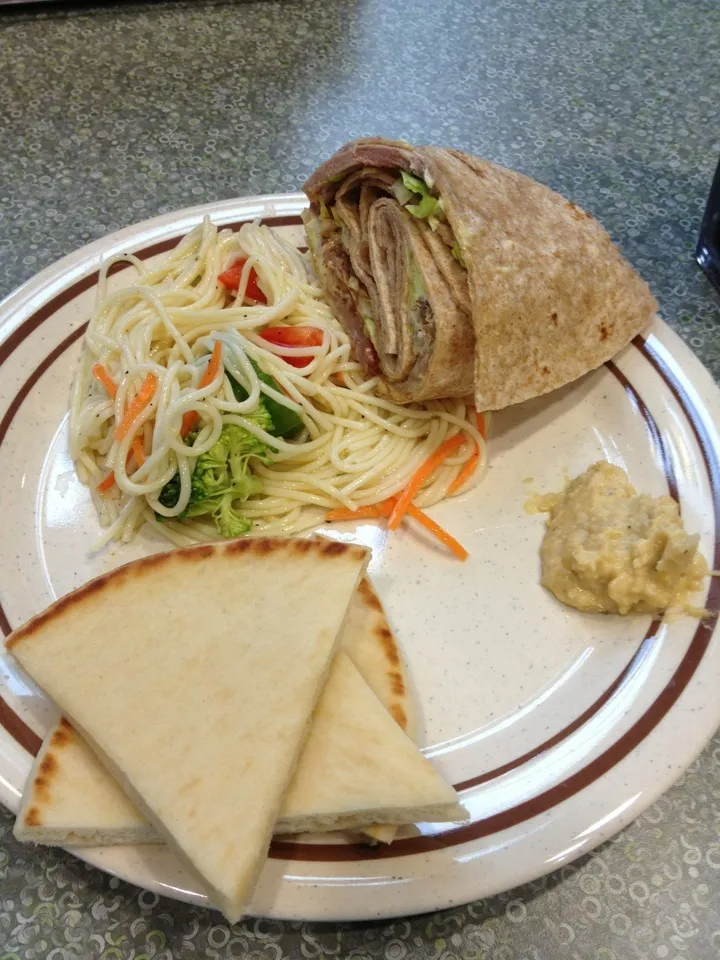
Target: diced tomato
<point>294,337</point>
<point>230,278</point>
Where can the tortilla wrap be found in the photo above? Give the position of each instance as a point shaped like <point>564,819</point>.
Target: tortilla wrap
<point>467,277</point>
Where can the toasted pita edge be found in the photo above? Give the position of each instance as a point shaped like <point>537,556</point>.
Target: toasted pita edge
<point>261,546</point>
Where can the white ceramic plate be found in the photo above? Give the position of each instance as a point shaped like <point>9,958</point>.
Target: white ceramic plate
<point>557,727</point>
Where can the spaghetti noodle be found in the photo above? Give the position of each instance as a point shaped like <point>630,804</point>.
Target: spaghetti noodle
<point>146,371</point>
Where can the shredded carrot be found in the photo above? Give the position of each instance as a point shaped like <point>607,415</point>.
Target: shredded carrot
<point>147,391</point>
<point>471,465</point>
<point>214,365</point>
<point>443,536</point>
<point>384,509</point>
<point>467,471</point>
<point>361,513</point>
<point>445,450</point>
<point>103,377</point>
<point>395,508</point>
<point>188,422</point>
<point>107,484</point>
<point>138,450</point>
<point>371,512</point>
<point>190,419</point>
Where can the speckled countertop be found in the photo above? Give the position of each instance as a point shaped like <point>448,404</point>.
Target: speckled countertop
<point>112,115</point>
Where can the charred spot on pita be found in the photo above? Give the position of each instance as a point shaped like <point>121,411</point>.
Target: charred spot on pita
<point>334,549</point>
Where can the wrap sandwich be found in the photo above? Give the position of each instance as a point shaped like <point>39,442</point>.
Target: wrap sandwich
<point>452,275</point>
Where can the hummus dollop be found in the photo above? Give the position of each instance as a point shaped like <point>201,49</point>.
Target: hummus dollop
<point>609,549</point>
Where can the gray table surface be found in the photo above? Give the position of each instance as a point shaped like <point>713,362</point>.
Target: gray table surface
<point>111,115</point>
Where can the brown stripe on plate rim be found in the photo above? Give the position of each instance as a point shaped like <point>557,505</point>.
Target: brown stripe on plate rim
<point>563,734</point>
<point>19,730</point>
<point>657,438</point>
<point>22,393</point>
<point>556,738</point>
<point>610,758</point>
<point>545,801</point>
<point>445,835</point>
<point>704,441</point>
<point>660,445</point>
<point>450,836</point>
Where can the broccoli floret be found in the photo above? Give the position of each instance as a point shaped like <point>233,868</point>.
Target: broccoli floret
<point>229,522</point>
<point>223,475</point>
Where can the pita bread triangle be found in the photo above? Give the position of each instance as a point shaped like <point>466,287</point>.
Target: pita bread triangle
<point>357,766</point>
<point>193,675</point>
